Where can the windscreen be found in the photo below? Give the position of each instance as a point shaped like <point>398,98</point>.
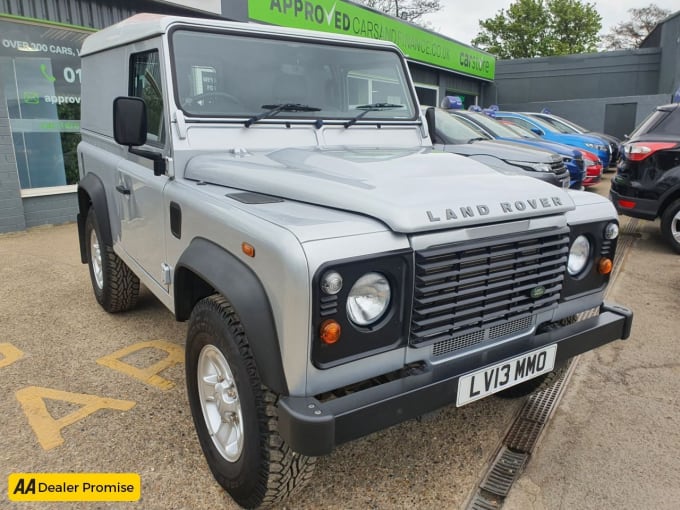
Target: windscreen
<point>659,121</point>
<point>453,129</point>
<point>228,75</point>
<point>495,127</point>
<point>563,126</point>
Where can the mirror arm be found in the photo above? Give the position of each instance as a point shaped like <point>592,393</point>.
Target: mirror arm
<point>159,167</point>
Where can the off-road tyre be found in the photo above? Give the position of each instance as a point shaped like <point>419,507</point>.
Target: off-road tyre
<point>115,286</point>
<point>670,225</point>
<point>266,470</point>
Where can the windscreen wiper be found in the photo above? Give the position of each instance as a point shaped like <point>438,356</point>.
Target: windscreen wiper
<point>373,107</point>
<point>478,139</point>
<point>273,109</point>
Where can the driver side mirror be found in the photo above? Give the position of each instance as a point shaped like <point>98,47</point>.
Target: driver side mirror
<point>431,128</point>
<point>129,128</point>
<point>537,131</point>
<point>129,121</point>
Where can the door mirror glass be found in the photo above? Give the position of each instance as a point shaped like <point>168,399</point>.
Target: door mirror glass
<point>129,121</point>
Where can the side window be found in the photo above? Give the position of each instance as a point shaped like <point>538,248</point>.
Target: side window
<point>145,82</point>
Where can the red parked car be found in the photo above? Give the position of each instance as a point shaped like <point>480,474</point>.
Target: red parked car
<point>593,168</point>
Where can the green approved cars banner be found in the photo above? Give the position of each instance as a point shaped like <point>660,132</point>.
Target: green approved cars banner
<point>345,18</point>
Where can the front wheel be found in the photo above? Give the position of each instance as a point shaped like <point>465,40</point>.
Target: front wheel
<point>670,225</point>
<point>115,286</point>
<point>234,413</point>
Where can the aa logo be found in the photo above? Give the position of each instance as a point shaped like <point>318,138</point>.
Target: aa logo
<point>74,487</point>
<point>25,488</point>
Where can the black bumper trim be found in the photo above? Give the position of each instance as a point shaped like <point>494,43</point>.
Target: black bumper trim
<point>645,209</point>
<point>314,428</point>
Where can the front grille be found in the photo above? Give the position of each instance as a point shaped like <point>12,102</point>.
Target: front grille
<point>557,167</point>
<point>469,339</point>
<point>462,289</point>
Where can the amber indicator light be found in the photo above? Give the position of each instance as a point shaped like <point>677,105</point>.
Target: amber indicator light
<point>605,266</point>
<point>330,332</point>
<point>248,249</point>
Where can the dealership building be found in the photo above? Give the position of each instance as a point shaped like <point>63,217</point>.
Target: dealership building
<point>40,80</point>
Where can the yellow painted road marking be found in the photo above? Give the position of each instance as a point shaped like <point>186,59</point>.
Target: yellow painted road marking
<point>74,486</point>
<point>46,428</point>
<point>9,354</point>
<point>147,375</point>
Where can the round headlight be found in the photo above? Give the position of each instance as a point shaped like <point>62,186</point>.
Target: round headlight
<point>611,231</point>
<point>331,283</point>
<point>579,253</point>
<point>368,299</point>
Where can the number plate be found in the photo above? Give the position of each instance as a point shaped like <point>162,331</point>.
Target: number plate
<point>505,374</point>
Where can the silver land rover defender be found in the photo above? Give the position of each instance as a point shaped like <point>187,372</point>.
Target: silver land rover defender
<point>278,190</point>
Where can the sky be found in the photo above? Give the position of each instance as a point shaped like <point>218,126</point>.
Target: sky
<point>459,19</point>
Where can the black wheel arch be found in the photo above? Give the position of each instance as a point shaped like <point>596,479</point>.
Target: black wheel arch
<point>668,198</point>
<point>205,268</point>
<point>91,193</point>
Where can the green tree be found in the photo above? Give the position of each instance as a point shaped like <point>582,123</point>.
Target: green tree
<point>408,10</point>
<point>629,34</point>
<point>539,28</point>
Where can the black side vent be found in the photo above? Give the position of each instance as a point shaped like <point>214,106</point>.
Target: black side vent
<point>328,306</point>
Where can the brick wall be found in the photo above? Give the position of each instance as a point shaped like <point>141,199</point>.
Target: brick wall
<point>50,209</point>
<point>11,207</point>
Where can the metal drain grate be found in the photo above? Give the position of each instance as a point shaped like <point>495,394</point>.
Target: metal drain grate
<point>505,470</point>
<point>480,502</point>
<point>530,422</point>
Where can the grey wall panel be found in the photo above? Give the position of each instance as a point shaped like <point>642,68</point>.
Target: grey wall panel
<point>85,13</point>
<point>669,81</point>
<point>590,113</point>
<point>51,209</point>
<point>619,73</point>
<point>423,74</point>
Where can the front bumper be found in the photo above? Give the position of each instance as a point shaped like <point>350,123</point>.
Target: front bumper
<point>311,427</point>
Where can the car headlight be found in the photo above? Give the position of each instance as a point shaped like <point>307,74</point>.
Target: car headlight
<point>596,146</point>
<point>611,231</point>
<point>368,299</point>
<point>331,283</point>
<point>579,254</point>
<point>536,167</point>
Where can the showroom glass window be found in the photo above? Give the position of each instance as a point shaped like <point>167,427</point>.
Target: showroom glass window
<point>40,80</point>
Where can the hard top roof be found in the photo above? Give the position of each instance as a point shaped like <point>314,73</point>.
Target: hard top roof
<point>145,26</point>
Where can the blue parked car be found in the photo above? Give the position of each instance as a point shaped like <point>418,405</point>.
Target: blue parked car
<point>573,159</point>
<point>593,144</point>
<point>567,126</point>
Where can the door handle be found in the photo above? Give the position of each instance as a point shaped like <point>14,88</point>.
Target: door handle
<point>122,189</point>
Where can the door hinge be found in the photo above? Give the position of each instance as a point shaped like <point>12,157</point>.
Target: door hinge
<point>167,273</point>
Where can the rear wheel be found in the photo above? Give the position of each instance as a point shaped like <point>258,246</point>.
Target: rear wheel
<point>670,225</point>
<point>235,414</point>
<point>115,286</point>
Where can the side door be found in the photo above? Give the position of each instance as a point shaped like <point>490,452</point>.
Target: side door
<point>139,193</point>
